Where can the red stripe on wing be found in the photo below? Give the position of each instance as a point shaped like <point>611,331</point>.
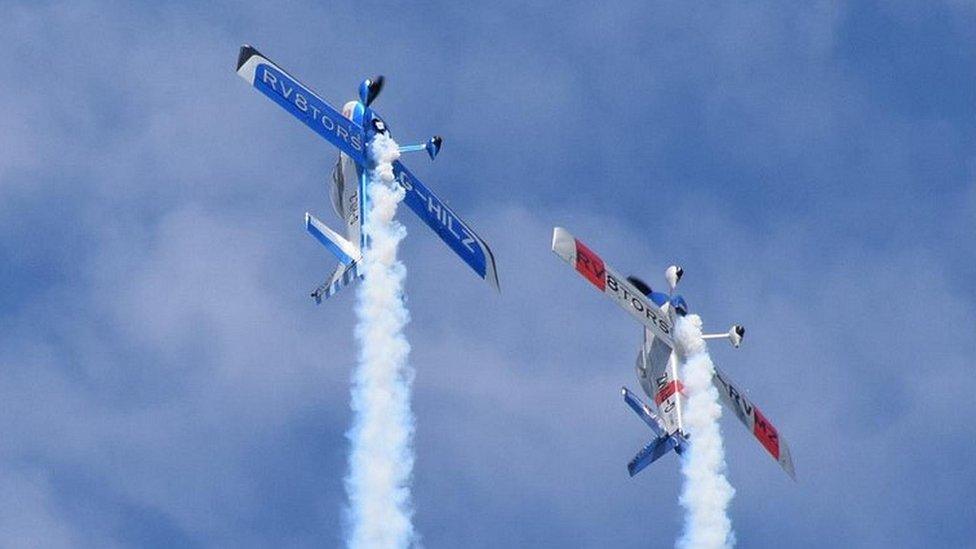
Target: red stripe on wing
<point>591,266</point>
<point>766,433</point>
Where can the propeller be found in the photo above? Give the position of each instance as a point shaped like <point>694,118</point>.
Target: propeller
<point>641,286</point>
<point>370,89</point>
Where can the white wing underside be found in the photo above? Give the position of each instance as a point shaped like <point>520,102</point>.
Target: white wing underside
<point>753,419</point>
<point>657,371</point>
<point>591,267</point>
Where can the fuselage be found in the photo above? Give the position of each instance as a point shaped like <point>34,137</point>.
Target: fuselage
<point>657,373</point>
<point>349,185</point>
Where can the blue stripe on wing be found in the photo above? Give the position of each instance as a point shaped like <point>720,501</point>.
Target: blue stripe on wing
<point>452,230</point>
<point>311,109</point>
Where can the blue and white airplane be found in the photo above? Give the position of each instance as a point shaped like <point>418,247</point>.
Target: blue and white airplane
<point>657,365</point>
<point>350,131</point>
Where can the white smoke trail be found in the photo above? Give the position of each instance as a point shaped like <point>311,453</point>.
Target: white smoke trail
<point>381,458</point>
<point>706,492</point>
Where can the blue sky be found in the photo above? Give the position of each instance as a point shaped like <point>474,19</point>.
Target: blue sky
<point>165,380</point>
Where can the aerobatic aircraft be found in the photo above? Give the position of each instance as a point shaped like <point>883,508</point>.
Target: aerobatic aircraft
<point>351,131</point>
<point>657,368</point>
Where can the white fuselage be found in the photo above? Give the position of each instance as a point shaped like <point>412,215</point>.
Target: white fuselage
<point>347,187</point>
<point>657,372</point>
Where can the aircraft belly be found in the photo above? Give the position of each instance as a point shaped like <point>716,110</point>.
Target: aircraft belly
<point>644,376</point>
<point>661,383</point>
<point>351,207</point>
<point>337,190</point>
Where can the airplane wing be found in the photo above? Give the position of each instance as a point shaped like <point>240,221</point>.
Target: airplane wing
<point>750,416</point>
<point>616,287</point>
<point>302,103</point>
<point>452,230</point>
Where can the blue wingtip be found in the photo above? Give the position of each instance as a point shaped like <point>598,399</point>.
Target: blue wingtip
<point>433,146</point>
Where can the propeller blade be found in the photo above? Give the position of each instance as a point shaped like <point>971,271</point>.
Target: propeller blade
<point>370,89</point>
<point>641,286</point>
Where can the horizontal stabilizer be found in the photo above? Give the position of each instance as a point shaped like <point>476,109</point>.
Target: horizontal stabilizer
<point>343,276</point>
<point>650,453</point>
<point>643,411</point>
<point>344,250</point>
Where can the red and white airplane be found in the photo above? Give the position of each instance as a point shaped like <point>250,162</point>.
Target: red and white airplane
<point>657,365</point>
